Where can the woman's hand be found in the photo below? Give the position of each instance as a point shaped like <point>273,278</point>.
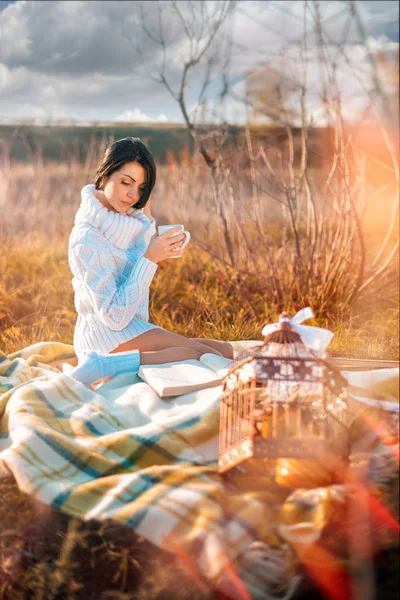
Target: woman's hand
<point>165,246</point>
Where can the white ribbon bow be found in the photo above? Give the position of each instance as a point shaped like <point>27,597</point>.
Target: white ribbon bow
<point>316,338</point>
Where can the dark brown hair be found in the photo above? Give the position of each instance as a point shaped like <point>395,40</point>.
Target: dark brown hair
<point>129,149</point>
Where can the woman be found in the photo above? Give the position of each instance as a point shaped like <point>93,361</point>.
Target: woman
<point>114,253</point>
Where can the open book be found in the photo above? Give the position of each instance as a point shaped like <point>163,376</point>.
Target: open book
<point>175,378</point>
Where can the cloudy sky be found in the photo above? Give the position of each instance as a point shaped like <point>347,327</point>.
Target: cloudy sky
<point>98,60</point>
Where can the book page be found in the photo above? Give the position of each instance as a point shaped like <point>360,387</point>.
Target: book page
<point>184,374</point>
<point>219,364</point>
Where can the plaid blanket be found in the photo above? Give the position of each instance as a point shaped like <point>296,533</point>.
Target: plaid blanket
<point>123,453</point>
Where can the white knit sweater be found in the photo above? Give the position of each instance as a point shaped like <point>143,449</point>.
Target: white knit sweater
<point>111,274</point>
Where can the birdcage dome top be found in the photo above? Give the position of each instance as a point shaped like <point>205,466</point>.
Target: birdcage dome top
<point>290,352</point>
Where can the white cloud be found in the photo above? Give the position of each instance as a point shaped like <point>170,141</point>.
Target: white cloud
<point>77,59</point>
<point>137,116</point>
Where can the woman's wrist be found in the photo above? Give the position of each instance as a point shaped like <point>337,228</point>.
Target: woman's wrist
<point>150,257</point>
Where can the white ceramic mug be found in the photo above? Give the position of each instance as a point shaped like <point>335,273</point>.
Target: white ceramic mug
<point>164,228</point>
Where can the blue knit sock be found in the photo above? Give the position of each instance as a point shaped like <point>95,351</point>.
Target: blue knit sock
<point>93,366</point>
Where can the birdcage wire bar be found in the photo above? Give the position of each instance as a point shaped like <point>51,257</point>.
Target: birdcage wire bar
<point>281,406</point>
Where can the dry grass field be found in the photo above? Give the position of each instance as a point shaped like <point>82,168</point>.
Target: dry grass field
<point>45,555</point>
<point>201,295</point>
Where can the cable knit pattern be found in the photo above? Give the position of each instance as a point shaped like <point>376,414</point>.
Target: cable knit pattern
<point>112,276</point>
<point>121,230</point>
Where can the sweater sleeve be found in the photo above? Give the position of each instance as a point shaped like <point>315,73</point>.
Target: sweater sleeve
<point>149,227</point>
<point>151,231</point>
<point>115,305</point>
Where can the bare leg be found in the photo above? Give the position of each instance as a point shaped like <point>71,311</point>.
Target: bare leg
<point>225,348</point>
<point>160,339</point>
<point>159,357</point>
<point>95,366</point>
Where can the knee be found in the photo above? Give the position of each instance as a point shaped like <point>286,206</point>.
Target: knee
<point>227,350</point>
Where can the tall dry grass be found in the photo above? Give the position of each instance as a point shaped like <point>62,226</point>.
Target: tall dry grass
<point>274,236</point>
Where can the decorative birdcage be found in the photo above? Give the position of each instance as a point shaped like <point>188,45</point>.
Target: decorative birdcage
<point>282,400</point>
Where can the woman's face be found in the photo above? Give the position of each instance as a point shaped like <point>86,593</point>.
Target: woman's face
<point>124,187</point>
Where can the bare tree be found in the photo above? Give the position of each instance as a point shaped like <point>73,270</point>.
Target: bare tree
<point>297,233</point>
<point>329,264</point>
<point>198,28</point>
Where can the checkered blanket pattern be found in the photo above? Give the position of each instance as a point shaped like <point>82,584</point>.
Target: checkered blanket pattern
<point>123,453</point>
